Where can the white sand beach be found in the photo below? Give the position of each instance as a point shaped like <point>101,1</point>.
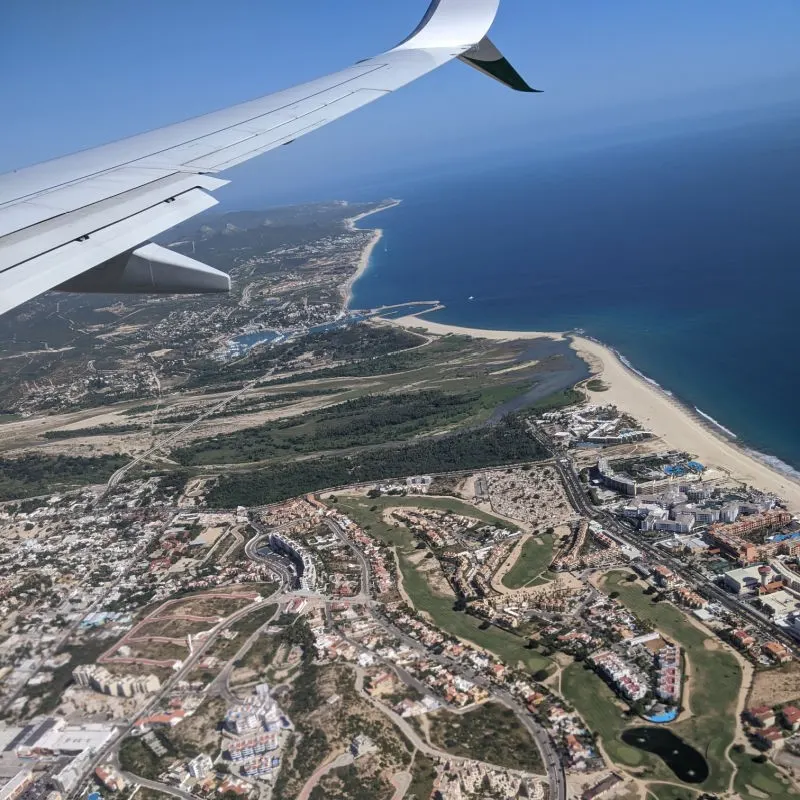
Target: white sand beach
<point>654,408</point>
<point>441,329</point>
<point>679,428</point>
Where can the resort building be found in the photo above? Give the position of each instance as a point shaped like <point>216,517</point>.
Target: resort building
<point>101,680</point>
<point>301,558</point>
<point>625,678</point>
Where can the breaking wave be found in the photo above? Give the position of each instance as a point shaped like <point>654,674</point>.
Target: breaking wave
<point>716,424</point>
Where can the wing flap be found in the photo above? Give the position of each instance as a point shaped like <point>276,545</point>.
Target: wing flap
<point>26,244</point>
<point>63,263</point>
<point>151,269</point>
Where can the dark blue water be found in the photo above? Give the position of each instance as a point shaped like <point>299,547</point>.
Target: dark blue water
<point>682,254</point>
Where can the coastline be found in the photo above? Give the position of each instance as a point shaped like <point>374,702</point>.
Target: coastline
<point>439,328</point>
<point>678,426</point>
<point>346,288</point>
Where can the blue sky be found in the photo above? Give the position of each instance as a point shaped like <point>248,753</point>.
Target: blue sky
<point>80,73</point>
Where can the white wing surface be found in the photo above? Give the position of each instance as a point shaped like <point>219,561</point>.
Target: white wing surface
<point>84,222</point>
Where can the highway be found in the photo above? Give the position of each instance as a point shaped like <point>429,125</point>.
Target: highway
<point>221,685</point>
<point>692,576</point>
<point>123,471</point>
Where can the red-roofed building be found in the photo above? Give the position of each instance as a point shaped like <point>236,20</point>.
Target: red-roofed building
<point>770,737</point>
<point>665,576</point>
<point>777,652</point>
<point>790,716</point>
<point>762,716</point>
<point>742,639</point>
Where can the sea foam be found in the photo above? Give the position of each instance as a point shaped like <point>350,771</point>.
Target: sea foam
<point>716,424</point>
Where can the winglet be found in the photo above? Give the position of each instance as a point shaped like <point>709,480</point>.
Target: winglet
<point>486,58</point>
<point>452,24</point>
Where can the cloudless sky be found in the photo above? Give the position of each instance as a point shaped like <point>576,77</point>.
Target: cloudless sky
<point>78,73</point>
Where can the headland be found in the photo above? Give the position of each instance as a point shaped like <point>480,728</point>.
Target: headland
<point>376,234</point>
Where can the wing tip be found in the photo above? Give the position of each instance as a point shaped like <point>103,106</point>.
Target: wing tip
<point>500,69</point>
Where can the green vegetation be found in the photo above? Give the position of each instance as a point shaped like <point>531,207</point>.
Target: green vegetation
<point>368,420</point>
<point>506,442</point>
<point>562,399</point>
<point>48,695</point>
<point>763,778</point>
<point>451,504</point>
<point>4,418</point>
<point>99,430</point>
<point>596,385</point>
<point>432,355</point>
<point>530,568</point>
<point>715,680</point>
<point>715,675</point>
<point>370,342</point>
<point>248,405</point>
<point>31,475</point>
<point>423,774</point>
<point>250,623</point>
<point>145,409</point>
<point>136,757</point>
<point>225,649</point>
<point>599,707</point>
<point>504,644</point>
<point>491,733</point>
<point>666,791</point>
<point>349,783</point>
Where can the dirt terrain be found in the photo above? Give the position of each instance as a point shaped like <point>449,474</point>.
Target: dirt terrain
<point>776,686</point>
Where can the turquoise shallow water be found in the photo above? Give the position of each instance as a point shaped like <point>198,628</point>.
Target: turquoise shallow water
<point>683,254</point>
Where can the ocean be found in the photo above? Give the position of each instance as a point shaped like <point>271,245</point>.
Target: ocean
<point>681,253</point>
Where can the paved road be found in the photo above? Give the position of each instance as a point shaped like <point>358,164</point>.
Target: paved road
<point>159,787</point>
<point>691,576</point>
<point>277,564</point>
<point>168,685</point>
<point>161,443</point>
<point>342,760</point>
<point>550,757</point>
<point>411,734</point>
<point>221,685</point>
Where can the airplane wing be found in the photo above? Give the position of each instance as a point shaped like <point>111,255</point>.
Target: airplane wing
<point>84,222</point>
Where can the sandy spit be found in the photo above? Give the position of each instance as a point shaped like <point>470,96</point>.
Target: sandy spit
<point>654,408</point>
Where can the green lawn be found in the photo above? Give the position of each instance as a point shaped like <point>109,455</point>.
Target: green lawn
<point>598,707</point>
<point>531,566</point>
<point>764,778</point>
<point>716,678</point>
<point>664,791</point>
<point>420,501</point>
<point>505,645</point>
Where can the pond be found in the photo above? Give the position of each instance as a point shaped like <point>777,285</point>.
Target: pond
<point>687,764</point>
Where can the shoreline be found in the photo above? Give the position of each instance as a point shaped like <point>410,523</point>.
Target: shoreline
<point>346,288</point>
<point>653,406</point>
<point>414,321</point>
